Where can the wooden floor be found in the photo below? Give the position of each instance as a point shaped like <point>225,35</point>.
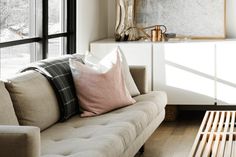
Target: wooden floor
<point>174,139</point>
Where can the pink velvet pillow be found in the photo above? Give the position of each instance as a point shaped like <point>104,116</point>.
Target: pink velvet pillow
<point>99,93</point>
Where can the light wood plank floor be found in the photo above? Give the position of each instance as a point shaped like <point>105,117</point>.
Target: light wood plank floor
<point>174,139</point>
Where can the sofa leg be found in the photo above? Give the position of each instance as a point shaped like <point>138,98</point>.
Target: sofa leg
<point>141,150</point>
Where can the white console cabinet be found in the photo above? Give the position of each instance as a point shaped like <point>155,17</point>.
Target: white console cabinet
<point>190,72</point>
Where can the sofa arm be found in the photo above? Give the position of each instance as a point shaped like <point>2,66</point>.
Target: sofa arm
<point>139,74</point>
<point>19,141</point>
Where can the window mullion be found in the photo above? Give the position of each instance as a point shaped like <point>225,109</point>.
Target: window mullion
<point>39,28</point>
<point>71,26</point>
<point>45,29</point>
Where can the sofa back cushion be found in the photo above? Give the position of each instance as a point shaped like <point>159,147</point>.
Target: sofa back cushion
<point>7,113</point>
<point>57,71</point>
<point>34,100</point>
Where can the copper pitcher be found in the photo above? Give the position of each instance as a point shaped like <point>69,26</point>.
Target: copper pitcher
<point>158,34</point>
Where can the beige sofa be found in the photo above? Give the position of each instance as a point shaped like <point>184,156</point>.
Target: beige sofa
<point>120,133</point>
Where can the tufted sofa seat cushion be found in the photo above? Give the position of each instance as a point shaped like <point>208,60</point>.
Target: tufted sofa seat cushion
<point>157,97</point>
<point>108,135</point>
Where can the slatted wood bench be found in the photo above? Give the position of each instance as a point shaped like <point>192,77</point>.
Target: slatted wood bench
<point>216,136</point>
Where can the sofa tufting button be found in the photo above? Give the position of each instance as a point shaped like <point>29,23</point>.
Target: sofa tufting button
<point>104,124</point>
<point>66,154</point>
<point>87,137</point>
<point>57,140</point>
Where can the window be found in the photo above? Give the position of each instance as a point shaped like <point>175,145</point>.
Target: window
<point>56,16</point>
<point>13,58</point>
<point>56,46</point>
<point>32,30</point>
<point>14,20</point>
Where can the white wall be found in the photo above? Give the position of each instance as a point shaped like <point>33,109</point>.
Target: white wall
<point>92,22</point>
<point>111,17</point>
<point>230,14</point>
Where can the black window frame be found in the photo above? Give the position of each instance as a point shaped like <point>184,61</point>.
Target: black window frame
<point>70,34</point>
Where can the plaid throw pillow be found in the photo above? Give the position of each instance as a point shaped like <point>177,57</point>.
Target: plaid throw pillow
<point>59,74</point>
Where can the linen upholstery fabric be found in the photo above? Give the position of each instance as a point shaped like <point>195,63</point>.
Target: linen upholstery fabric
<point>157,97</point>
<point>59,73</point>
<point>99,93</point>
<point>139,73</point>
<point>143,137</point>
<point>34,100</point>
<point>19,141</point>
<point>106,63</point>
<point>7,113</point>
<point>115,134</point>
